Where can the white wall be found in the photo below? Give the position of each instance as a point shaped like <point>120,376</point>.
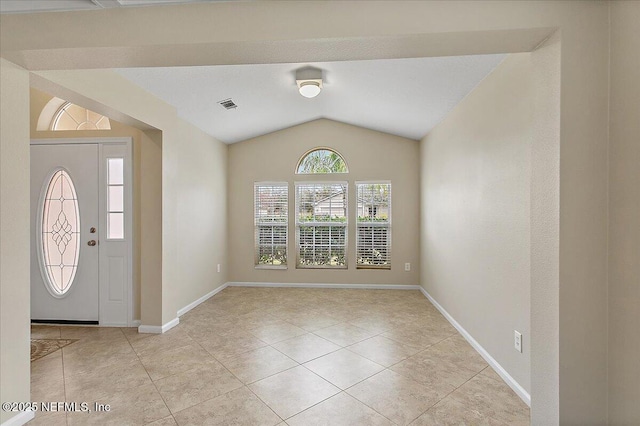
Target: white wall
<point>370,155</point>
<point>624,216</point>
<point>14,240</point>
<point>475,228</point>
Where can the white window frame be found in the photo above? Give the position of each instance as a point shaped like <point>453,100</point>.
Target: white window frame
<point>373,224</point>
<point>109,211</point>
<point>320,148</point>
<point>298,223</point>
<point>258,224</point>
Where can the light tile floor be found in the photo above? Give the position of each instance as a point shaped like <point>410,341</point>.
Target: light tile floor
<point>270,356</point>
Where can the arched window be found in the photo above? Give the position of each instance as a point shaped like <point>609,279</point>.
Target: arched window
<point>321,160</point>
<point>59,114</point>
<point>321,212</point>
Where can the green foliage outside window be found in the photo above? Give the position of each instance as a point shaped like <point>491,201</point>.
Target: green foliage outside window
<point>322,161</point>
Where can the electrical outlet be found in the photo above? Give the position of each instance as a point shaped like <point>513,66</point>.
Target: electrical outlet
<point>218,267</point>
<point>517,341</point>
<point>407,266</point>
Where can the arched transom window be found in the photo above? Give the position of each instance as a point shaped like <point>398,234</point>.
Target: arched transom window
<point>321,160</point>
<point>321,212</point>
<point>59,114</point>
<point>75,117</point>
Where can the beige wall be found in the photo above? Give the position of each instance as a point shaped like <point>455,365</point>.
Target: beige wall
<point>545,231</point>
<point>147,198</point>
<point>190,249</point>
<point>201,203</point>
<point>14,239</point>
<point>624,216</point>
<point>569,380</point>
<point>583,216</point>
<point>475,215</point>
<point>369,155</point>
<point>148,224</point>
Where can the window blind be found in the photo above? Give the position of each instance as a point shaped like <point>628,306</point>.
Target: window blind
<point>373,223</point>
<point>321,224</point>
<point>271,224</point>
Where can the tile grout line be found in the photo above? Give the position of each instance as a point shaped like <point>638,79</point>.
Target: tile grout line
<point>253,314</point>
<point>237,378</point>
<point>152,381</point>
<point>321,378</point>
<point>341,392</point>
<point>320,356</point>
<point>64,381</point>
<point>364,403</point>
<point>444,397</point>
<point>271,375</point>
<point>264,402</point>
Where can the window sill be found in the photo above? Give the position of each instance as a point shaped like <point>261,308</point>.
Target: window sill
<point>276,267</point>
<point>322,267</point>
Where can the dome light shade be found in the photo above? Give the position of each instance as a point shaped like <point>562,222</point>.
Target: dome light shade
<point>310,89</point>
<point>309,81</point>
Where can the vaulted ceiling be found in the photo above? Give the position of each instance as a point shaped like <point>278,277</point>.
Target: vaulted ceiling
<point>404,97</point>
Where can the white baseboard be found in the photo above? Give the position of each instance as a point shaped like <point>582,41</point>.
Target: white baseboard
<point>317,285</point>
<point>135,323</point>
<point>20,419</point>
<point>204,298</point>
<point>158,329</point>
<point>513,384</point>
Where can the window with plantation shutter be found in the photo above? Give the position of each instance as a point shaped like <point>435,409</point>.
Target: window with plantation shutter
<point>321,224</point>
<point>271,224</point>
<point>373,223</point>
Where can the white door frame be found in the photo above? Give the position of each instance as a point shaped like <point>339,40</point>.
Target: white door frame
<point>129,235</point>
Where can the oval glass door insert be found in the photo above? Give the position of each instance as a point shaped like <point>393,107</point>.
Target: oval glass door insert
<point>60,234</point>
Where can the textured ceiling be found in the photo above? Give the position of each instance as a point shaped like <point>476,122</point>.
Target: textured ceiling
<point>405,97</point>
<point>28,6</point>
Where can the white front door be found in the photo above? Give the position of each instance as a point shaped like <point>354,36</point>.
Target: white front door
<point>82,231</point>
<point>64,233</point>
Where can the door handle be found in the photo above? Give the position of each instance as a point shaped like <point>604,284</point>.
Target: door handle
<point>91,243</point>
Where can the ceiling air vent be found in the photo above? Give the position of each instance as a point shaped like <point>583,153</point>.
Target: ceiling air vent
<point>228,104</point>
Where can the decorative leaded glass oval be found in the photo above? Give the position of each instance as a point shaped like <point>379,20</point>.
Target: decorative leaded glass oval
<point>60,233</point>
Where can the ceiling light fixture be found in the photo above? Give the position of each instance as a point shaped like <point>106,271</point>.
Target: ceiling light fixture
<point>309,81</point>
